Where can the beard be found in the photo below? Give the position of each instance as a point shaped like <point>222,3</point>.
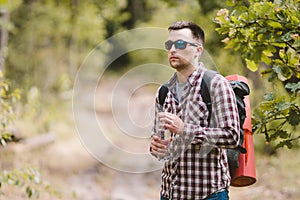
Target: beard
<point>178,64</point>
<point>175,64</point>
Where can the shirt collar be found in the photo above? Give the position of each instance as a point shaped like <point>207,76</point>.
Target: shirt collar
<point>192,78</point>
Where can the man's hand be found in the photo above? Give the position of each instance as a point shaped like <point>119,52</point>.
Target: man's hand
<point>159,147</point>
<point>171,122</point>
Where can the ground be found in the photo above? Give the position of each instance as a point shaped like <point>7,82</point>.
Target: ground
<point>74,172</point>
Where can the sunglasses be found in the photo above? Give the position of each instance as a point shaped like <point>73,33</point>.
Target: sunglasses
<point>179,44</point>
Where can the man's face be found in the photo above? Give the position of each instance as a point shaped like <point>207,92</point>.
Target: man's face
<point>183,58</point>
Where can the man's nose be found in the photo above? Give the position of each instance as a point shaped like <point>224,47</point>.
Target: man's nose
<point>172,48</point>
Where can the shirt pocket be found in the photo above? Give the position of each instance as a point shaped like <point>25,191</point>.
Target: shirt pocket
<point>196,112</point>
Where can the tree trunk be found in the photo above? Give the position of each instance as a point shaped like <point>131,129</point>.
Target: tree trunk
<point>3,38</point>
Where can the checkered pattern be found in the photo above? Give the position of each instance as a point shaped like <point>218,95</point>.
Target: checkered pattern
<point>198,165</point>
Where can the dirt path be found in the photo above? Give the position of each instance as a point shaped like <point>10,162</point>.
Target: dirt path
<point>129,187</point>
<point>114,146</point>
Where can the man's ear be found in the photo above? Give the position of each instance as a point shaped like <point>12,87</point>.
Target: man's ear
<point>199,51</point>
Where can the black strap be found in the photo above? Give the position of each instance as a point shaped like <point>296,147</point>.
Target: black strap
<point>205,94</point>
<point>205,88</point>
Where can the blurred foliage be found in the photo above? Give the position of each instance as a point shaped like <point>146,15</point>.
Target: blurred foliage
<point>8,98</point>
<point>49,40</point>
<point>28,179</point>
<point>266,33</point>
<point>277,119</point>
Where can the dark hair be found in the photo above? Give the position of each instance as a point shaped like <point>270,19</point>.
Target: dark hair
<point>197,32</point>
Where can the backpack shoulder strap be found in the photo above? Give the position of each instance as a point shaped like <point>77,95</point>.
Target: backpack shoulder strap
<point>205,87</point>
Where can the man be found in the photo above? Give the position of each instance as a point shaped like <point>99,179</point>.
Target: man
<point>200,169</point>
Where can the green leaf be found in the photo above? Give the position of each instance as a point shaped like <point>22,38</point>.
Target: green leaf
<point>282,106</point>
<point>280,44</point>
<point>234,19</point>
<point>287,37</point>
<point>283,134</point>
<point>293,86</point>
<point>279,71</point>
<point>289,144</point>
<point>28,191</point>
<point>294,117</point>
<point>280,145</point>
<point>274,24</point>
<point>295,19</point>
<point>262,8</point>
<point>243,17</point>
<point>265,72</point>
<point>269,96</point>
<point>251,65</point>
<point>230,3</point>
<point>268,52</point>
<point>279,133</point>
<point>260,37</point>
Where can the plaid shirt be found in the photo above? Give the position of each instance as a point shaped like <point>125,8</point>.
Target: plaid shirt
<point>198,165</point>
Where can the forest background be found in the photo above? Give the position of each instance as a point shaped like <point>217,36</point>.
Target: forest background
<point>44,43</point>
